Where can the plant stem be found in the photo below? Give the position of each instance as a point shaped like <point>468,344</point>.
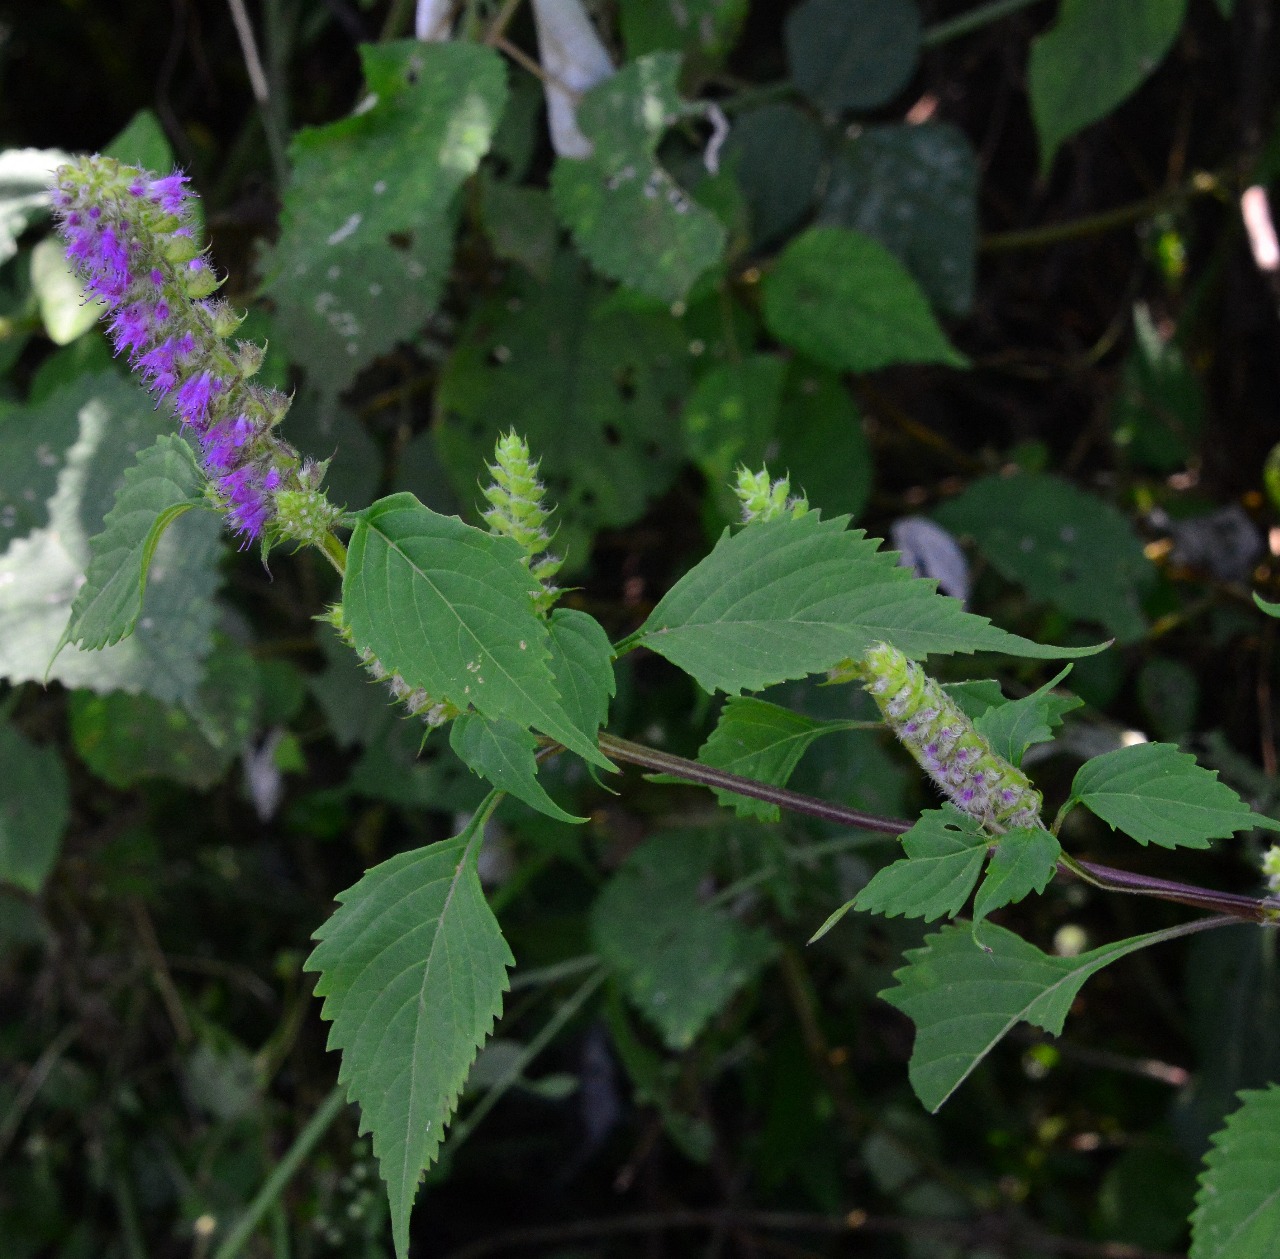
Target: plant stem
<point>393,28</point>
<point>270,1193</point>
<point>974,20</point>
<point>333,550</point>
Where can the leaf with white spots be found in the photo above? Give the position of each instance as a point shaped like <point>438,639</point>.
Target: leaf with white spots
<point>367,230</point>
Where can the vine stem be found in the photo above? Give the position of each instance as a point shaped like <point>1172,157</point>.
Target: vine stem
<point>974,20</point>
<point>1263,910</point>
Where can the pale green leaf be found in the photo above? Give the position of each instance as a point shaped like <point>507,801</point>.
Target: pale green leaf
<point>450,609</point>
<point>143,143</point>
<point>1061,544</point>
<point>366,234</point>
<point>945,851</point>
<point>412,967</point>
<point>1237,1213</point>
<point>1095,56</point>
<point>846,301</point>
<point>503,753</point>
<point>699,28</point>
<point>1022,862</point>
<point>628,216</point>
<point>785,598</point>
<point>164,482</point>
<point>35,806</point>
<point>60,295</point>
<point>963,998</point>
<point>25,176</point>
<point>582,666</point>
<point>1011,728</point>
<point>761,741</point>
<point>1159,795</point>
<point>109,421</point>
<point>1271,609</point>
<point>680,961</point>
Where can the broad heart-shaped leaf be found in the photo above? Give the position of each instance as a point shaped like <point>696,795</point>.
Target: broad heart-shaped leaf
<point>945,851</point>
<point>1095,56</point>
<point>165,482</point>
<point>846,301</point>
<point>963,998</point>
<point>104,422</point>
<point>412,967</point>
<point>1237,1213</point>
<point>367,227</point>
<point>1159,795</point>
<point>1011,728</point>
<point>582,666</point>
<point>785,598</point>
<point>761,741</point>
<point>449,608</point>
<point>680,961</point>
<point>502,752</point>
<point>915,190</point>
<point>626,213</point>
<point>597,390</point>
<point>852,54</point>
<point>35,806</point>
<point>1022,862</point>
<point>1064,546</point>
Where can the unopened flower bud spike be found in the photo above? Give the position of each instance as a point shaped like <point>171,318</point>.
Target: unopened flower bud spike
<point>517,511</point>
<point>763,499</point>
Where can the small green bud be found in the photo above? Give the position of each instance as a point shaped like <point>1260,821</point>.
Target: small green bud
<point>305,515</point>
<point>517,511</point>
<point>763,499</point>
<point>1271,869</point>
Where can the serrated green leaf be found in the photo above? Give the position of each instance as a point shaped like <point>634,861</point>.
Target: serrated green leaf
<point>1159,795</point>
<point>582,666</point>
<point>503,753</point>
<point>1011,728</point>
<point>852,54</point>
<point>412,967</point>
<point>963,998</point>
<point>1062,545</point>
<point>976,697</point>
<point>945,851</point>
<point>915,190</point>
<point>761,741</point>
<point>627,215</point>
<point>367,227</point>
<point>163,483</point>
<point>786,598</point>
<point>846,301</point>
<point>680,961</point>
<point>1022,862</point>
<point>449,608</point>
<point>35,806</point>
<point>597,389</point>
<point>1096,55</point>
<point>1237,1213</point>
<point>41,573</point>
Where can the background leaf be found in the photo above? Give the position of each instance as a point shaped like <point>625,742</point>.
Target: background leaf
<point>412,969</point>
<point>35,806</point>
<point>775,153</point>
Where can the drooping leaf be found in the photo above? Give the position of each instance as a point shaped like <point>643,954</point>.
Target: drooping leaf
<point>503,753</point>
<point>846,301</point>
<point>945,851</point>
<point>449,608</point>
<point>161,485</point>
<point>597,390</point>
<point>367,227</point>
<point>1096,55</point>
<point>963,998</point>
<point>1022,862</point>
<point>915,190</point>
<point>761,741</point>
<point>680,961</point>
<point>412,967</point>
<point>42,572</point>
<point>1061,544</point>
<point>1011,728</point>
<point>786,598</point>
<point>1237,1213</point>
<point>1159,795</point>
<point>582,666</point>
<point>627,215</point>
<point>852,54</point>
<point>35,806</point>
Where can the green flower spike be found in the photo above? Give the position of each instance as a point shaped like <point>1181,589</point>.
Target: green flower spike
<point>763,499</point>
<point>517,511</point>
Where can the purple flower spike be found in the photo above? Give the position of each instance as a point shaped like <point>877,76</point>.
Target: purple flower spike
<point>129,329</point>
<point>170,193</point>
<point>194,398</point>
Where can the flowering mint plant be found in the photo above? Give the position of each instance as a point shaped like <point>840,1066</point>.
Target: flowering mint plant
<point>462,625</point>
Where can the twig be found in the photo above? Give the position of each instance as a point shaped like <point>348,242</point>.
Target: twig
<point>33,1083</point>
<point>168,990</point>
<point>974,20</point>
<point>261,89</point>
<point>501,21</point>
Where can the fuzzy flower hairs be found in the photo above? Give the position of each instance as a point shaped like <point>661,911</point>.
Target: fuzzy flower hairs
<point>131,236</point>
